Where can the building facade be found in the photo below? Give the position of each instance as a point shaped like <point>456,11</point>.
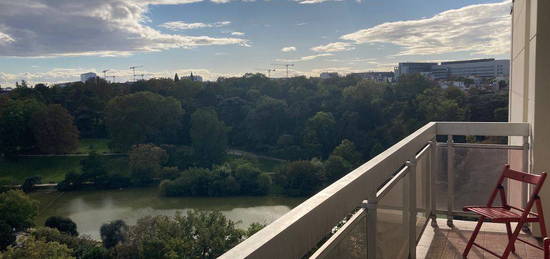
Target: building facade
<point>476,68</point>
<point>86,76</point>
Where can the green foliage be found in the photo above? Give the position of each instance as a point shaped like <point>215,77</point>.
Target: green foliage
<point>63,224</point>
<point>80,246</point>
<point>17,210</point>
<point>336,167</point>
<point>113,233</point>
<point>31,248</point>
<point>320,134</point>
<point>142,117</point>
<point>28,184</point>
<point>16,134</point>
<point>54,131</point>
<point>93,168</point>
<point>240,178</point>
<point>145,162</point>
<point>302,178</point>
<point>208,137</point>
<point>198,234</point>
<point>7,236</point>
<point>348,152</point>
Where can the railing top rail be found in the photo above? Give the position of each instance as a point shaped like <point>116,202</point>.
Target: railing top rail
<point>483,128</point>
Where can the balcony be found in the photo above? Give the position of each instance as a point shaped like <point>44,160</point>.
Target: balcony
<point>405,202</point>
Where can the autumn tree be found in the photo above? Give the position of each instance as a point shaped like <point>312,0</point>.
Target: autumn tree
<point>54,131</point>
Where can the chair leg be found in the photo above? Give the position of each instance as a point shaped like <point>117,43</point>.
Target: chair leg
<point>541,218</point>
<point>509,231</point>
<point>512,239</point>
<point>473,237</point>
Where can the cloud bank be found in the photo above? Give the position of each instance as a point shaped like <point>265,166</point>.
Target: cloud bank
<point>33,28</point>
<point>479,29</point>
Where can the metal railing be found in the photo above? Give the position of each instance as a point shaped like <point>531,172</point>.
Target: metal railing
<point>387,201</point>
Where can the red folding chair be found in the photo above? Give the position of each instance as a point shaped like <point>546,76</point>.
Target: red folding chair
<point>507,213</point>
<point>546,248</point>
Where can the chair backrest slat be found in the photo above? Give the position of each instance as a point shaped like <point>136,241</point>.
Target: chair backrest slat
<point>521,176</point>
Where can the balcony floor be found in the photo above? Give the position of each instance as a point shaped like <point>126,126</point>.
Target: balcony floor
<point>446,242</point>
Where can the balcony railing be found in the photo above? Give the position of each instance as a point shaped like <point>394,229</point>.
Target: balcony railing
<point>387,202</point>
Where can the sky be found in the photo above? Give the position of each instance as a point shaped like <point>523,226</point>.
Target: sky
<point>51,41</point>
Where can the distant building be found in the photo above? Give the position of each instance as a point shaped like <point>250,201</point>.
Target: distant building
<point>192,77</point>
<point>87,76</point>
<point>482,68</point>
<point>327,75</point>
<point>413,68</point>
<point>381,77</point>
<point>475,68</point>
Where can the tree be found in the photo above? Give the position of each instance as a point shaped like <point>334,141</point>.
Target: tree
<point>63,224</point>
<point>348,152</point>
<point>143,117</point>
<point>16,134</point>
<point>7,236</point>
<point>145,162</point>
<point>93,169</point>
<point>176,78</point>
<point>113,233</point>
<point>336,167</point>
<point>17,209</point>
<point>32,248</point>
<point>320,133</point>
<point>208,137</point>
<point>82,247</point>
<point>54,130</point>
<point>28,184</point>
<point>198,234</point>
<point>302,178</point>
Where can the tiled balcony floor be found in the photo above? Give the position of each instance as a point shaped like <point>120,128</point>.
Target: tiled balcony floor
<point>446,242</point>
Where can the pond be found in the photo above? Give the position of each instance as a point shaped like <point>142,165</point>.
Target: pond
<point>90,209</point>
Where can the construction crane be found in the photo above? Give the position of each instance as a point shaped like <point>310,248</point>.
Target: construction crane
<point>105,73</point>
<point>134,71</point>
<point>269,70</point>
<point>284,65</point>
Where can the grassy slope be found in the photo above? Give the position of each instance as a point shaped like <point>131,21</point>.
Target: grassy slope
<point>99,145</point>
<point>52,169</point>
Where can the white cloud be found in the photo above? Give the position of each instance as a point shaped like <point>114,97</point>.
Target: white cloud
<point>4,38</point>
<point>63,75</point>
<point>288,49</point>
<point>315,1</point>
<point>181,25</point>
<point>334,47</point>
<point>237,33</point>
<point>94,27</point>
<point>480,29</point>
<point>305,58</point>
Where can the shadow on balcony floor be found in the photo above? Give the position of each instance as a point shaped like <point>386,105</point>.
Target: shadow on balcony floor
<point>445,242</point>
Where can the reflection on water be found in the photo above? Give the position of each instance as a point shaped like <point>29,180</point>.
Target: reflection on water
<point>90,209</point>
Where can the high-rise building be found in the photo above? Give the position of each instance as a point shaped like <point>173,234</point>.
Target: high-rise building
<point>86,76</point>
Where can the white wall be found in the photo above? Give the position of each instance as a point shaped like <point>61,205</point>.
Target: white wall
<point>530,86</point>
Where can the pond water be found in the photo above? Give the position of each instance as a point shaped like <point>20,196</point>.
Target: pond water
<point>90,209</point>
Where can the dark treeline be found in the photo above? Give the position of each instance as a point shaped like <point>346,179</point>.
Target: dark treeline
<point>296,118</point>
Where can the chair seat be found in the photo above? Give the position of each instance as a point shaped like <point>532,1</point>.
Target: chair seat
<point>495,214</point>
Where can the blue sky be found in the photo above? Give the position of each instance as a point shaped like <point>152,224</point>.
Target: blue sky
<point>55,41</point>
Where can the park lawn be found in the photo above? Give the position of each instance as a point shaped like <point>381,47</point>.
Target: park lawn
<point>98,144</point>
<point>53,169</point>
